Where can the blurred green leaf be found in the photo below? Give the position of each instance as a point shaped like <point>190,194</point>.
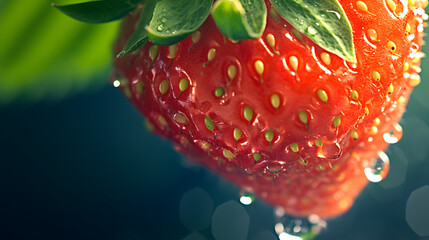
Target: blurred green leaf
<point>99,11</point>
<point>45,54</point>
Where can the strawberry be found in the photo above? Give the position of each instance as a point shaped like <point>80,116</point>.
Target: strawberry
<point>283,115</point>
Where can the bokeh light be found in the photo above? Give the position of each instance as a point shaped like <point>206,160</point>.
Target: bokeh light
<point>417,211</point>
<point>196,209</point>
<point>230,222</point>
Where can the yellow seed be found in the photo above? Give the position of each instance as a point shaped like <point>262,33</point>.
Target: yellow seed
<point>374,130</point>
<point>180,118</point>
<point>219,91</point>
<point>337,121</point>
<point>259,67</point>
<point>163,87</point>
<point>293,61</point>
<point>275,100</point>
<point>304,163</point>
<point>377,121</point>
<point>408,28</point>
<point>354,94</point>
<point>406,66</point>
<point>372,34</point>
<point>127,91</point>
<point>183,84</point>
<point>248,113</point>
<point>401,100</point>
<point>376,76</point>
<point>196,36</point>
<point>162,120</point>
<point>205,145</point>
<point>294,147</point>
<point>228,154</point>
<point>172,49</point>
<point>318,142</point>
<point>269,135</point>
<point>391,5</point>
<point>257,156</point>
<point>303,117</point>
<point>390,89</point>
<point>323,96</point>
<point>232,71</point>
<point>414,80</point>
<point>366,111</point>
<point>362,6</point>
<point>354,134</point>
<point>139,87</point>
<point>237,134</point>
<point>320,168</point>
<point>326,58</point>
<point>271,41</point>
<point>184,141</point>
<point>153,52</point>
<point>209,123</point>
<point>392,46</point>
<point>149,126</point>
<point>211,54</point>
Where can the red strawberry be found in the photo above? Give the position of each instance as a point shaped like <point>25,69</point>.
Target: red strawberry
<point>279,115</point>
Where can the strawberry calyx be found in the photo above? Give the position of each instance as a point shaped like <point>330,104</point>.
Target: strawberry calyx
<point>166,22</point>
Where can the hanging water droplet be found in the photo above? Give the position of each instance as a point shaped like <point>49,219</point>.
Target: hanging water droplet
<point>160,27</point>
<point>394,135</point>
<point>293,228</point>
<point>246,198</point>
<point>378,168</point>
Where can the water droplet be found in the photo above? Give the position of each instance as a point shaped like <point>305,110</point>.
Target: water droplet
<point>164,20</point>
<point>394,135</point>
<point>331,151</point>
<point>274,167</point>
<point>160,27</point>
<point>293,228</point>
<point>311,30</point>
<point>378,168</point>
<point>246,198</point>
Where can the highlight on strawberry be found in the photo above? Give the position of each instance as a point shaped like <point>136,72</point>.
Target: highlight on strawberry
<point>294,101</point>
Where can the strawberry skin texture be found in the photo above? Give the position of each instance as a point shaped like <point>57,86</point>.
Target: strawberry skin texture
<point>317,121</point>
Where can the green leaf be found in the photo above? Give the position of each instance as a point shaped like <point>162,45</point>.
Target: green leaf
<point>99,11</point>
<point>47,55</point>
<point>174,20</point>
<point>140,35</point>
<point>240,19</point>
<point>324,22</point>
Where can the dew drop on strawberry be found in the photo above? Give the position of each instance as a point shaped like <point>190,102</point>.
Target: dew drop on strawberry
<point>394,135</point>
<point>331,151</point>
<point>378,168</point>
